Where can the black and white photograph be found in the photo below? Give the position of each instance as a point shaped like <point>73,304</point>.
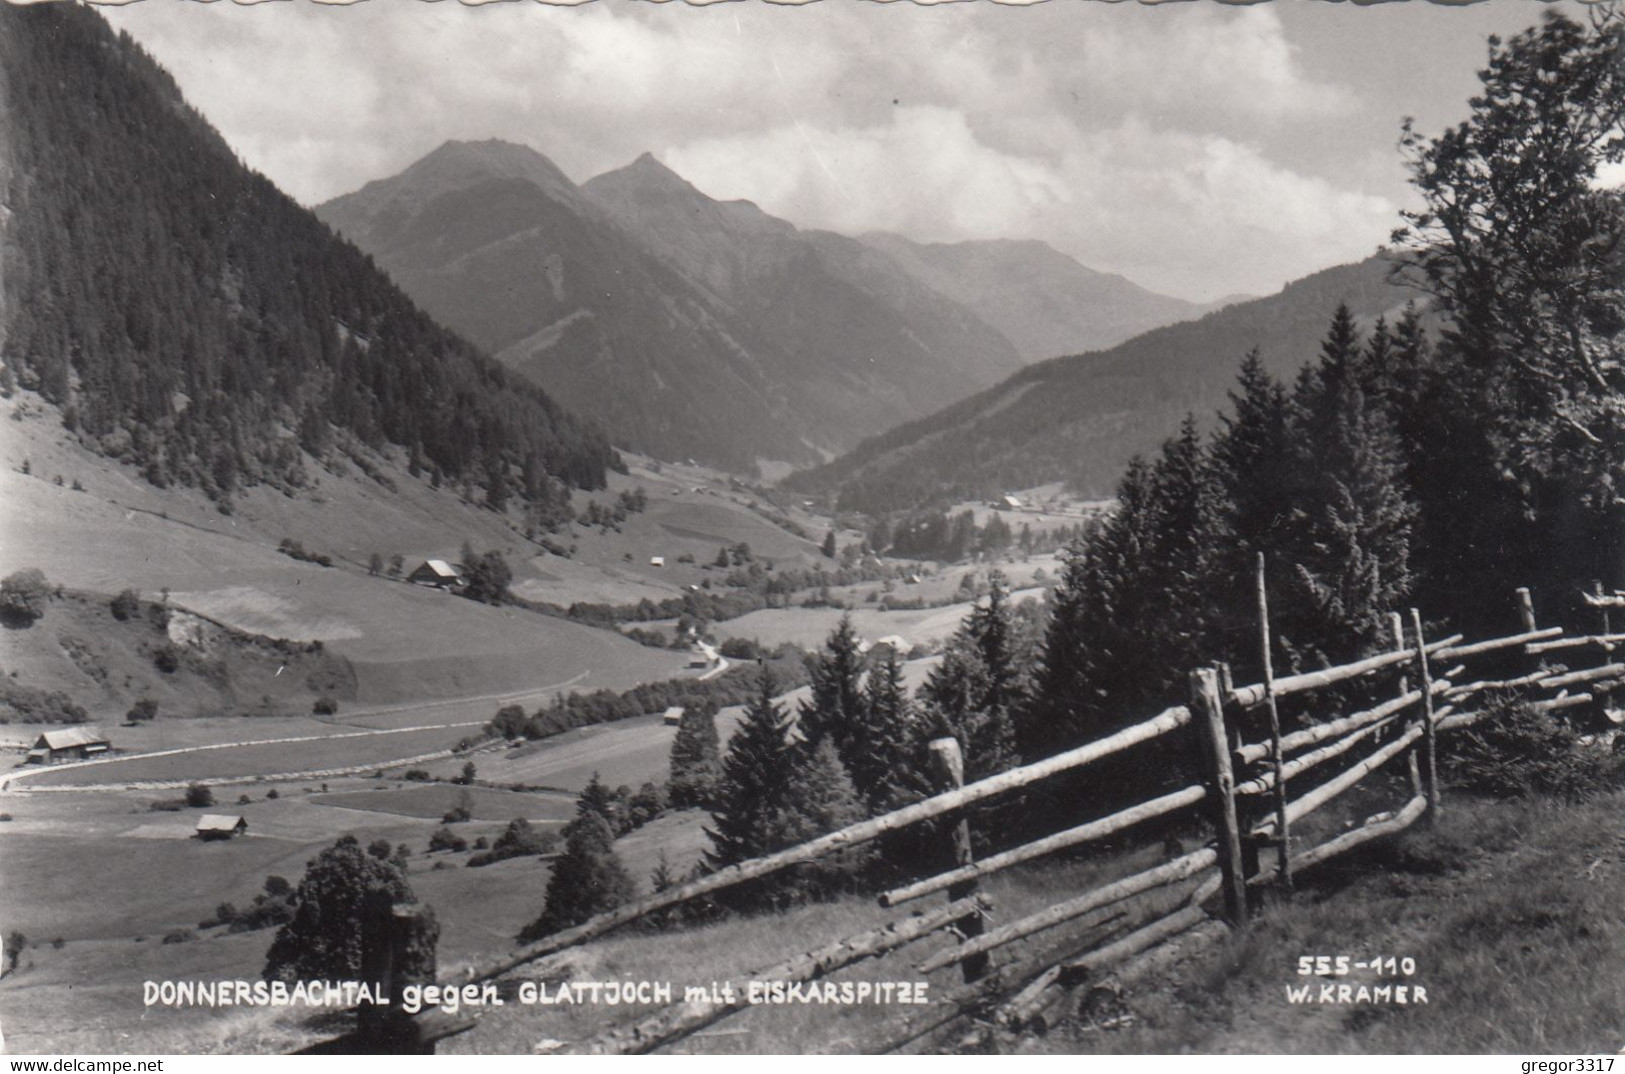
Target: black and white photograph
<point>847,527</point>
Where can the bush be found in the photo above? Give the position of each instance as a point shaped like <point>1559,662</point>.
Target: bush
<point>322,938</point>
<point>16,943</point>
<point>198,796</point>
<point>272,794</point>
<point>167,660</point>
<point>324,706</point>
<point>587,879</point>
<point>416,775</point>
<point>180,936</point>
<point>23,595</point>
<point>126,606</point>
<point>445,839</point>
<point>518,840</point>
<point>1514,751</point>
<point>28,704</point>
<point>243,799</point>
<point>143,710</point>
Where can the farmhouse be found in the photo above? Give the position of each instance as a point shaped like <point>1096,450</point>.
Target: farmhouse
<point>438,573</point>
<point>672,716</point>
<point>220,826</point>
<point>897,643</point>
<point>68,744</point>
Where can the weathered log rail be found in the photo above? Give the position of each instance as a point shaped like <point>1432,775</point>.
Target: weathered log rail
<point>1245,798</point>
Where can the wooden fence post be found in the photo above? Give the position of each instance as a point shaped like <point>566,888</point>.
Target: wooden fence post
<point>1430,756</point>
<point>1526,610</point>
<point>1207,711</point>
<point>1282,834</point>
<point>948,769</point>
<point>1397,623</point>
<point>397,949</point>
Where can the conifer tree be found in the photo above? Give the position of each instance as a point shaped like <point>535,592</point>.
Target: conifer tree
<point>596,799</point>
<point>754,776</point>
<point>1054,717</point>
<point>1252,469</point>
<point>836,708</point>
<point>881,773</point>
<point>819,798</point>
<point>1350,552</point>
<point>696,764</point>
<point>959,700</point>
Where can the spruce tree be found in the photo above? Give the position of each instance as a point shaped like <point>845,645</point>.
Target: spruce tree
<point>959,700</point>
<point>696,765</point>
<point>836,708</point>
<point>819,798</point>
<point>881,774</point>
<point>1252,469</point>
<point>596,799</point>
<point>1054,716</point>
<point>1350,550</point>
<point>754,776</point>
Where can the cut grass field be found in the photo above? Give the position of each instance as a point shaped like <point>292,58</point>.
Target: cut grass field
<point>809,627</point>
<point>268,759</point>
<point>432,801</point>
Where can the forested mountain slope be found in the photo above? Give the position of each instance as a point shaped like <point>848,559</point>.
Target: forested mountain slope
<point>195,322</point>
<point>1081,418</point>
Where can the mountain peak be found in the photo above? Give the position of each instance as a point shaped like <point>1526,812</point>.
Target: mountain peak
<point>645,176</point>
<point>458,163</point>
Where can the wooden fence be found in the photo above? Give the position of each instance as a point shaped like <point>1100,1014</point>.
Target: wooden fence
<point>1252,795</point>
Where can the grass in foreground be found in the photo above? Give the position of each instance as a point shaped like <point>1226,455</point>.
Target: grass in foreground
<point>1512,912</point>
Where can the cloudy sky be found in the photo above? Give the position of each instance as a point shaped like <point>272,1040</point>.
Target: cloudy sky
<point>1198,149</point>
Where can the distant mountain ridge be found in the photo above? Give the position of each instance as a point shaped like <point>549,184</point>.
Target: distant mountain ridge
<point>866,343</point>
<point>494,241</point>
<point>694,327</point>
<point>1080,419</point>
<point>1044,302</point>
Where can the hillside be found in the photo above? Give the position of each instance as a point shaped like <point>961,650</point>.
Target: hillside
<point>1043,301</point>
<point>495,242</point>
<point>866,341</point>
<point>82,648</point>
<point>1080,419</point>
<point>193,321</point>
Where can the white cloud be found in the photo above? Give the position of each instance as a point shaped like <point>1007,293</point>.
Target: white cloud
<point>1143,141</point>
<point>923,173</point>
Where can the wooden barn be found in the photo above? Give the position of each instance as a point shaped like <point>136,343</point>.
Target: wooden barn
<point>68,744</point>
<point>438,573</point>
<point>221,826</point>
